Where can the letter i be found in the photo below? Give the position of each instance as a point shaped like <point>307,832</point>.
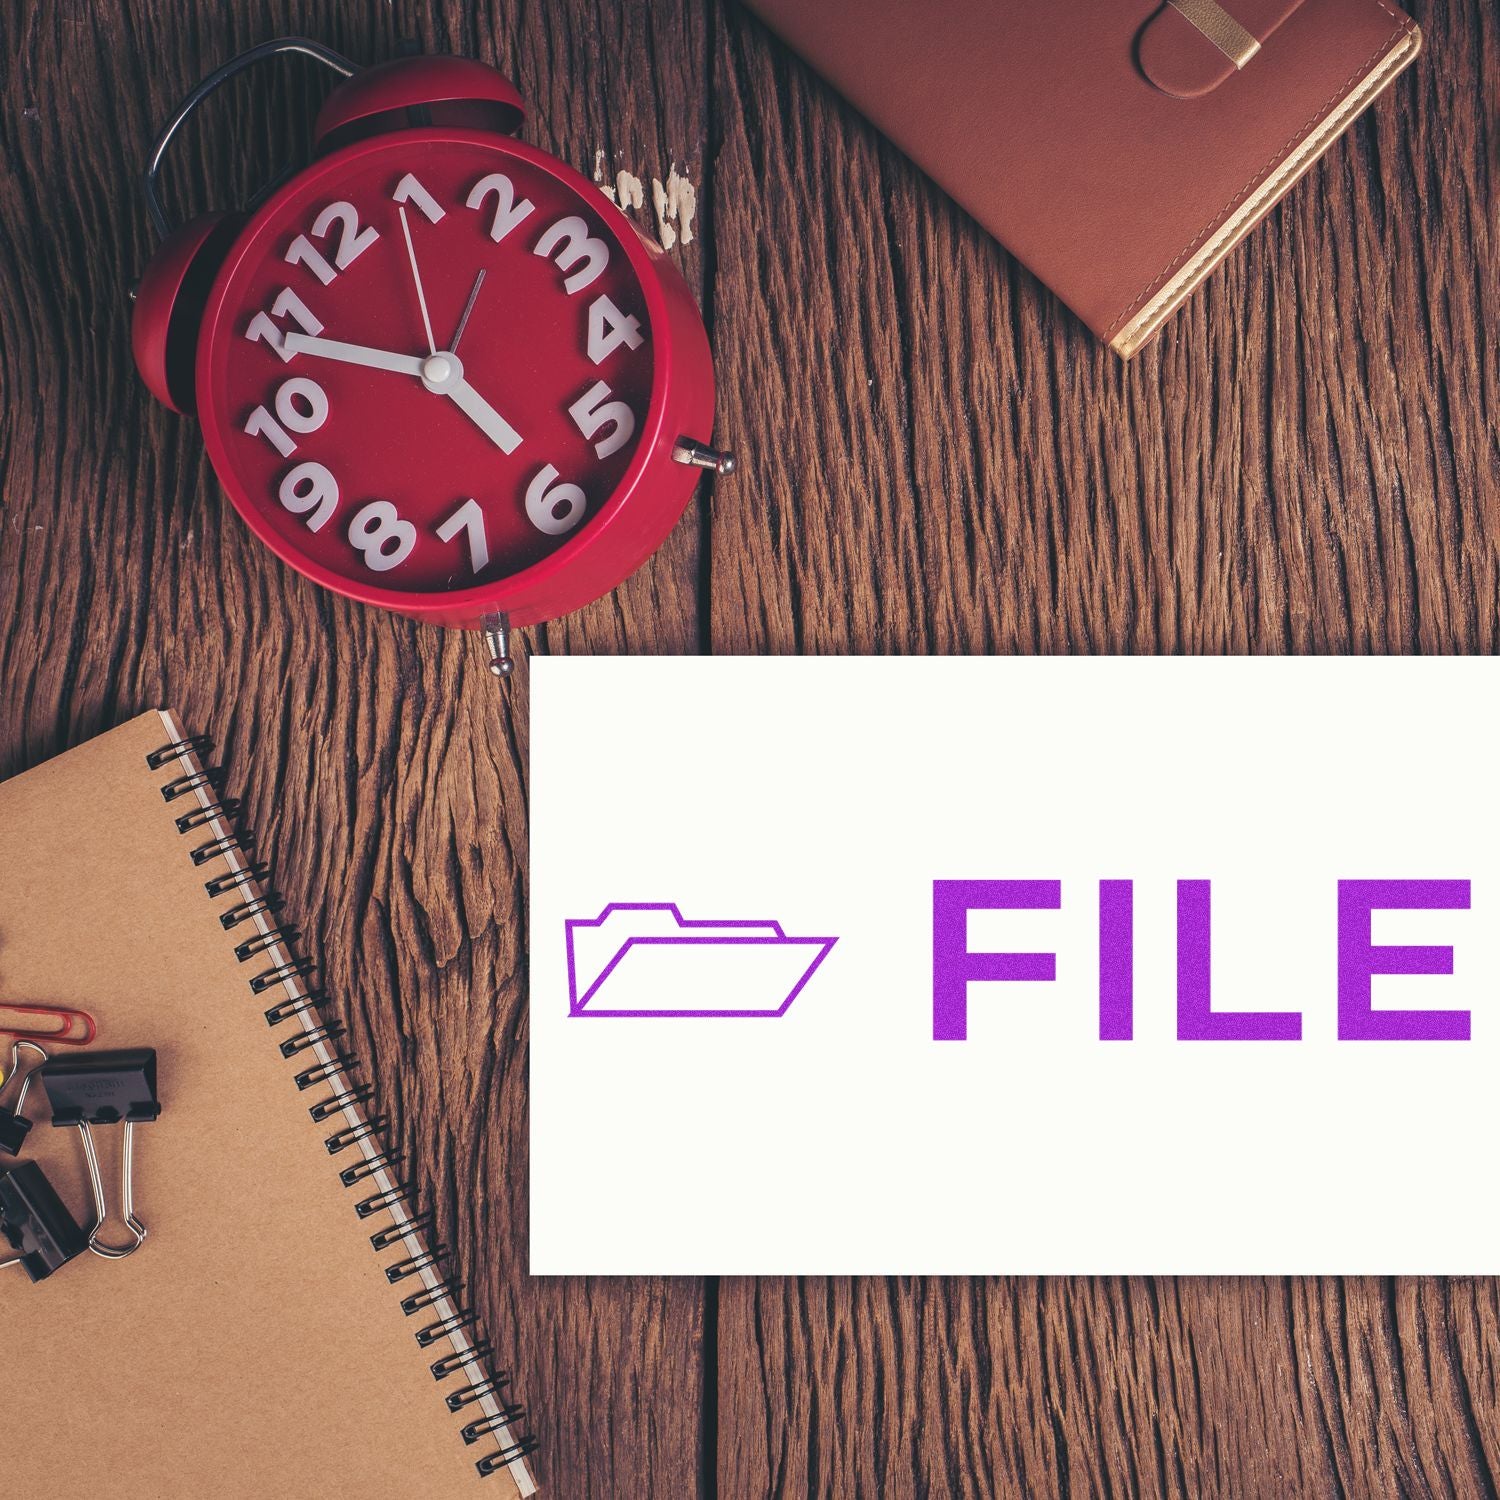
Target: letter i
<point>1116,960</point>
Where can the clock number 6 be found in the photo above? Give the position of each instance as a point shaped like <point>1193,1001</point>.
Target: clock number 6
<point>384,538</point>
<point>300,404</point>
<point>593,410</point>
<point>552,507</point>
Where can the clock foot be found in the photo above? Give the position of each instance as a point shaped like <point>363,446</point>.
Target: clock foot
<point>496,629</point>
<point>701,456</point>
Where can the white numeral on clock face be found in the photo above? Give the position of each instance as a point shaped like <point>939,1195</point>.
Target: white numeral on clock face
<point>508,213</point>
<point>310,488</point>
<point>287,305</point>
<point>300,404</point>
<point>409,190</point>
<point>353,242</point>
<point>593,410</point>
<point>610,329</point>
<point>468,518</point>
<point>384,538</point>
<point>569,243</point>
<point>551,507</point>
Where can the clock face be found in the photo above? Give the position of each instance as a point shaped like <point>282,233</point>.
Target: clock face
<point>428,364</point>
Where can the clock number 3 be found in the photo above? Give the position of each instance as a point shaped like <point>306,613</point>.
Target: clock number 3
<point>593,411</point>
<point>569,243</point>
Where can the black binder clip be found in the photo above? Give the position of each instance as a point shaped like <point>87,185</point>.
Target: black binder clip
<point>36,1224</point>
<point>14,1126</point>
<point>106,1088</point>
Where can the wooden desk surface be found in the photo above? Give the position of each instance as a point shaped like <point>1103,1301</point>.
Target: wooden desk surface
<point>936,458</point>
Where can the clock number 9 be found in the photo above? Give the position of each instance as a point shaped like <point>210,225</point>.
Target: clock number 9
<point>301,406</point>
<point>385,539</point>
<point>310,487</point>
<point>554,508</point>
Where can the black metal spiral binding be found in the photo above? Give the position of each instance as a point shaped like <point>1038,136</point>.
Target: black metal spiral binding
<point>246,910</point>
<point>448,1288</point>
<point>471,1358</point>
<point>329,1033</point>
<point>285,936</point>
<point>218,847</point>
<point>236,880</point>
<point>341,1062</point>
<point>367,1208</point>
<point>197,744</point>
<point>286,1009</point>
<point>299,968</point>
<point>434,1332</point>
<point>490,1385</point>
<point>369,1167</point>
<point>420,1224</point>
<point>486,1425</point>
<point>226,811</point>
<point>479,1351</point>
<point>414,1265</point>
<point>336,1104</point>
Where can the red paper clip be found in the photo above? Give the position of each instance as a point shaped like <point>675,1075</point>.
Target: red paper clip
<point>47,1023</point>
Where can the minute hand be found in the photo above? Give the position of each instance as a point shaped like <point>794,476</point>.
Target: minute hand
<point>353,354</point>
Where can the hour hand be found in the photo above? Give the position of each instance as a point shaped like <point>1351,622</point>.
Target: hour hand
<point>352,354</point>
<point>484,416</point>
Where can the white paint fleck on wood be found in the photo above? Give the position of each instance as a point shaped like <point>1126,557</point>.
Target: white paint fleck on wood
<point>676,203</point>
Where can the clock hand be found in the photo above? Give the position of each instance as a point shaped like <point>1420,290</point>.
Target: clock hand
<point>353,354</point>
<point>440,373</point>
<point>443,374</point>
<point>463,321</point>
<point>483,415</point>
<point>416,277</point>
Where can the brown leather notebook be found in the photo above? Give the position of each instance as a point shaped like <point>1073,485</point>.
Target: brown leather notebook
<point>257,1345</point>
<point>1119,148</point>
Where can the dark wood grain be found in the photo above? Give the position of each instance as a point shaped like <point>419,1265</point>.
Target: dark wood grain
<point>937,458</point>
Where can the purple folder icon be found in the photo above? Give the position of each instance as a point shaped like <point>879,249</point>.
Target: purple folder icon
<point>644,958</point>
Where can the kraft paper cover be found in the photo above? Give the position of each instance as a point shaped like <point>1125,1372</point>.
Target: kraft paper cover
<point>253,1347</point>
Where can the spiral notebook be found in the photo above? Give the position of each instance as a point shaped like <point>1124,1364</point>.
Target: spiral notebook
<point>287,1329</point>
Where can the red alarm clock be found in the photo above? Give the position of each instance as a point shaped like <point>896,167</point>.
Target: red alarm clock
<point>437,369</point>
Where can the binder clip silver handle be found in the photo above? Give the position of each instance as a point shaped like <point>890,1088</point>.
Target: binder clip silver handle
<point>14,1126</point>
<point>137,1230</point>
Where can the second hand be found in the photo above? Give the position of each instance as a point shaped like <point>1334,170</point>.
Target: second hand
<point>463,321</point>
<point>416,276</point>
